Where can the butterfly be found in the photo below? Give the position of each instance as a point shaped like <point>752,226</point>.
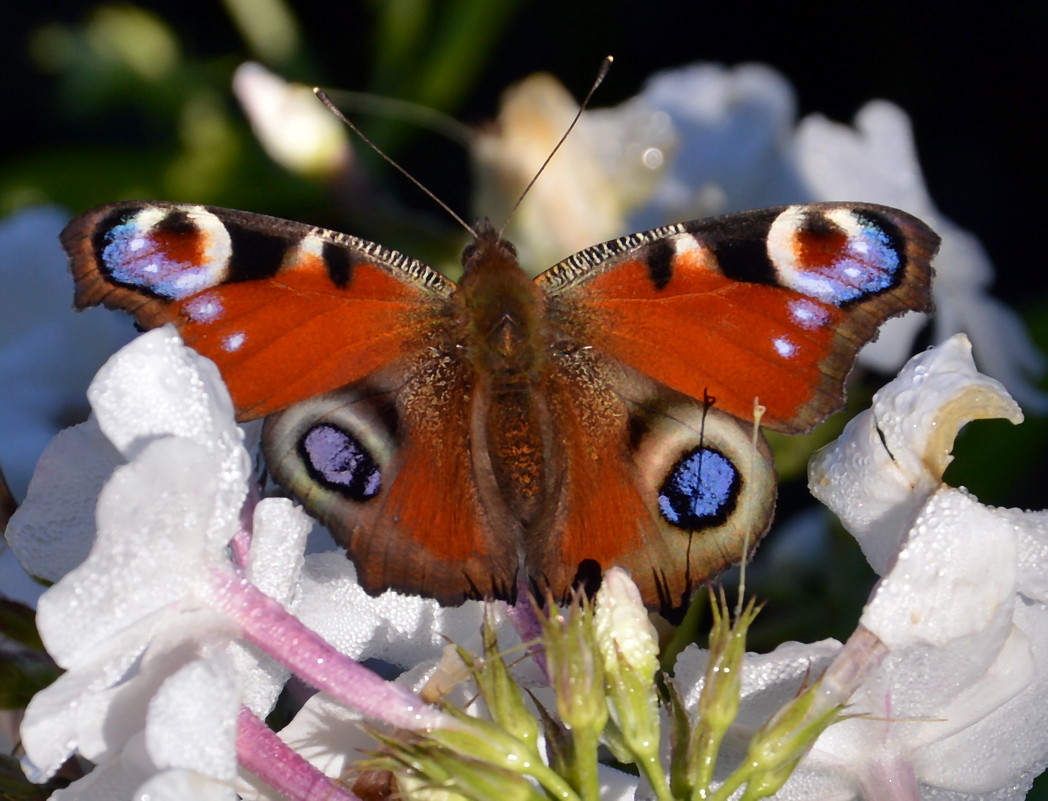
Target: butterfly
<point>456,437</point>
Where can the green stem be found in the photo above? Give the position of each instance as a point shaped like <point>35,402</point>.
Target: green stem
<point>584,757</point>
<point>706,749</point>
<point>554,783</point>
<point>651,767</point>
<point>733,783</point>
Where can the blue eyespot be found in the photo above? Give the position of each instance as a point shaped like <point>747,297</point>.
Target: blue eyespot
<point>338,459</point>
<point>700,491</point>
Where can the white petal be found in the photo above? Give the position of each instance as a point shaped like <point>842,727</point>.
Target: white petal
<point>1003,346</point>
<point>156,386</point>
<point>734,129</point>
<point>152,549</point>
<point>261,677</point>
<point>769,680</point>
<point>191,723</point>
<point>54,529</point>
<point>875,161</point>
<point>894,342</point>
<point>400,629</point>
<point>179,785</point>
<point>328,735</point>
<point>890,458</point>
<point>278,541</point>
<point>616,785</point>
<point>856,477</point>
<point>934,396</point>
<point>574,205</point>
<point>109,782</point>
<point>1032,531</point>
<point>294,128</point>
<point>52,724</point>
<point>955,576</point>
<point>98,707</point>
<point>1011,742</point>
<point>112,717</point>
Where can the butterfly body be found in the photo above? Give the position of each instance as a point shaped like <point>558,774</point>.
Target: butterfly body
<point>457,436</point>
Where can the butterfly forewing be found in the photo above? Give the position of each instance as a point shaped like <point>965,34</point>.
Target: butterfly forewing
<point>770,304</point>
<point>286,310</point>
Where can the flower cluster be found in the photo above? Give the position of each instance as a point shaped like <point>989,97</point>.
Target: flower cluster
<point>194,603</point>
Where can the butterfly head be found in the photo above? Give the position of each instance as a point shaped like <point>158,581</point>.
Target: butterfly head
<point>488,251</point>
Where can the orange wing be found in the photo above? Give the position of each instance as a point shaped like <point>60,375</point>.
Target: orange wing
<point>771,304</point>
<point>287,311</point>
<point>342,344</point>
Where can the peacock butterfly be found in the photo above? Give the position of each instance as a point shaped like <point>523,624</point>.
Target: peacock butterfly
<point>457,436</point>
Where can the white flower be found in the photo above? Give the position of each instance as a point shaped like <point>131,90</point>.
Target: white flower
<point>133,614</point>
<point>159,615</point>
<point>44,377</point>
<point>293,126</point>
<point>946,677</point>
<point>961,607</point>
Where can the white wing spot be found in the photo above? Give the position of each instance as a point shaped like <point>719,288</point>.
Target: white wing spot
<point>807,314</point>
<point>784,347</point>
<point>686,244</point>
<point>234,342</point>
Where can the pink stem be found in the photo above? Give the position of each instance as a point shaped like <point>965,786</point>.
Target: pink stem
<point>268,757</point>
<point>306,654</point>
<point>861,655</point>
<point>240,545</point>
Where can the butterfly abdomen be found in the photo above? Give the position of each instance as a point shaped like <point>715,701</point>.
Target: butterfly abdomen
<point>504,342</point>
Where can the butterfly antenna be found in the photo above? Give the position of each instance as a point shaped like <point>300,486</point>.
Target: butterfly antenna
<point>602,72</point>
<point>327,101</point>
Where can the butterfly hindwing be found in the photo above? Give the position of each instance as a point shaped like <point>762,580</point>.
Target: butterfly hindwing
<point>287,311</point>
<point>387,466</point>
<point>770,304</point>
<point>668,487</point>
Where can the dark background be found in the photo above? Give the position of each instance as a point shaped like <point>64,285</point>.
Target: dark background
<point>972,79</point>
